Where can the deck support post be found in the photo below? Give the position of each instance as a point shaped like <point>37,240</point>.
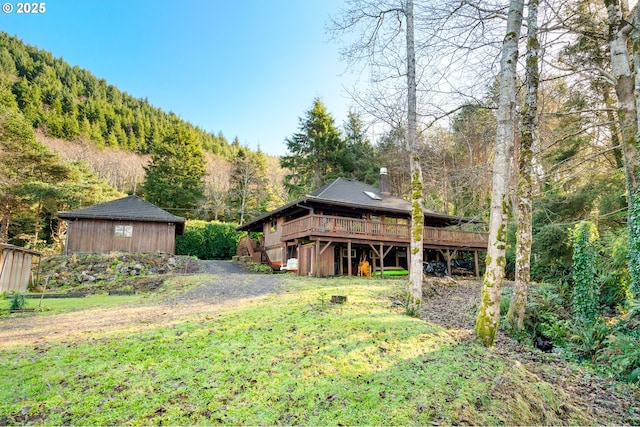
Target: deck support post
<point>317,256</point>
<point>381,261</point>
<point>349,269</point>
<point>475,261</point>
<point>285,255</point>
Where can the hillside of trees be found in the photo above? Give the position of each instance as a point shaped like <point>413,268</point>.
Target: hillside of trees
<point>71,103</point>
<point>92,133</point>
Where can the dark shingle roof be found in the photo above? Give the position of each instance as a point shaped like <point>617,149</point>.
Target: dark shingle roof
<point>351,193</point>
<point>131,208</point>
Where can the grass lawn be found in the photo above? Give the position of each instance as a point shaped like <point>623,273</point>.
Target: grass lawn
<point>288,359</point>
<point>57,305</point>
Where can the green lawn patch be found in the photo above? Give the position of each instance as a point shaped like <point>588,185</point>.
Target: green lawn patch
<point>51,306</point>
<point>290,359</point>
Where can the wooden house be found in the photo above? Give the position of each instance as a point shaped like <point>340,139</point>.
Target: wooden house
<point>129,224</point>
<point>330,231</point>
<point>15,268</point>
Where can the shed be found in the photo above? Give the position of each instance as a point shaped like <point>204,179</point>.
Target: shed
<point>15,268</point>
<point>129,224</point>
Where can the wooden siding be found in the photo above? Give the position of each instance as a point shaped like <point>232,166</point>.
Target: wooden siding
<point>15,270</point>
<point>326,261</point>
<point>351,228</point>
<point>305,260</point>
<point>98,236</point>
<point>272,243</point>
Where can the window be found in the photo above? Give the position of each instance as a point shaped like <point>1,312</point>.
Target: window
<point>345,253</point>
<point>123,230</point>
<point>274,226</point>
<point>372,195</point>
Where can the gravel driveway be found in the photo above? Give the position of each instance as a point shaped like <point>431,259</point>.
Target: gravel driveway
<point>230,282</point>
<point>227,286</point>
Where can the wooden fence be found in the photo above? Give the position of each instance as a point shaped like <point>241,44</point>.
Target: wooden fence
<point>15,268</point>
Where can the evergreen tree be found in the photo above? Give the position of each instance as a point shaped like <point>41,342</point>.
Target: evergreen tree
<point>24,163</point>
<point>315,152</point>
<point>360,159</point>
<point>68,102</point>
<point>174,179</point>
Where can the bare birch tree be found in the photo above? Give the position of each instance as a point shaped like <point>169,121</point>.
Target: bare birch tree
<point>515,315</point>
<point>370,47</point>
<point>218,185</point>
<point>620,27</point>
<point>489,311</point>
<point>417,214</point>
<point>618,34</point>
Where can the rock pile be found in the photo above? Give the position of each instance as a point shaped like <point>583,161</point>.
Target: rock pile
<point>97,272</point>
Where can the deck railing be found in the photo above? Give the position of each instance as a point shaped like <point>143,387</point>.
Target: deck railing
<point>377,230</point>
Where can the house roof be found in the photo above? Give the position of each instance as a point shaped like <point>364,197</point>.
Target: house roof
<point>130,208</point>
<point>350,193</point>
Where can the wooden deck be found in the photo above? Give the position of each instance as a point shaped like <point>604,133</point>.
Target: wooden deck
<point>366,230</point>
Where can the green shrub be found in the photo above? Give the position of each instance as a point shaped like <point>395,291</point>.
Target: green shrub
<point>613,272</point>
<point>622,355</point>
<point>546,313</point>
<point>505,301</point>
<point>621,349</point>
<point>208,240</point>
<point>18,302</point>
<point>588,339</point>
<point>257,267</point>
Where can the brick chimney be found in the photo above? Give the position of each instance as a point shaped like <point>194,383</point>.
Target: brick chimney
<point>385,185</point>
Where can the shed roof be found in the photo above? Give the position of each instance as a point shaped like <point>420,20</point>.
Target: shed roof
<point>130,208</point>
<point>5,246</point>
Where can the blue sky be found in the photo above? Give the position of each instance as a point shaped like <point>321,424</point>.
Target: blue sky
<point>248,68</point>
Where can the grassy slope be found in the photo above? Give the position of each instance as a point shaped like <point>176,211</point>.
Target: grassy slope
<point>289,359</point>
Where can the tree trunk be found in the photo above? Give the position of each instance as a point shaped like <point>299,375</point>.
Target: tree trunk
<point>633,221</point>
<point>36,226</point>
<point>6,220</point>
<point>489,310</point>
<point>4,229</point>
<point>417,215</point>
<point>619,30</point>
<point>515,315</point>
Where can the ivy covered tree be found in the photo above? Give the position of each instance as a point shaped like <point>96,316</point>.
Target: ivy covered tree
<point>585,289</point>
<point>174,179</point>
<point>314,152</point>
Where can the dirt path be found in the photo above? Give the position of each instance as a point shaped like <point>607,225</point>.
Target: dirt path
<point>227,287</point>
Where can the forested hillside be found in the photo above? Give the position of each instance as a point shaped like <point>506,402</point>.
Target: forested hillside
<point>69,140</point>
<point>70,102</point>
